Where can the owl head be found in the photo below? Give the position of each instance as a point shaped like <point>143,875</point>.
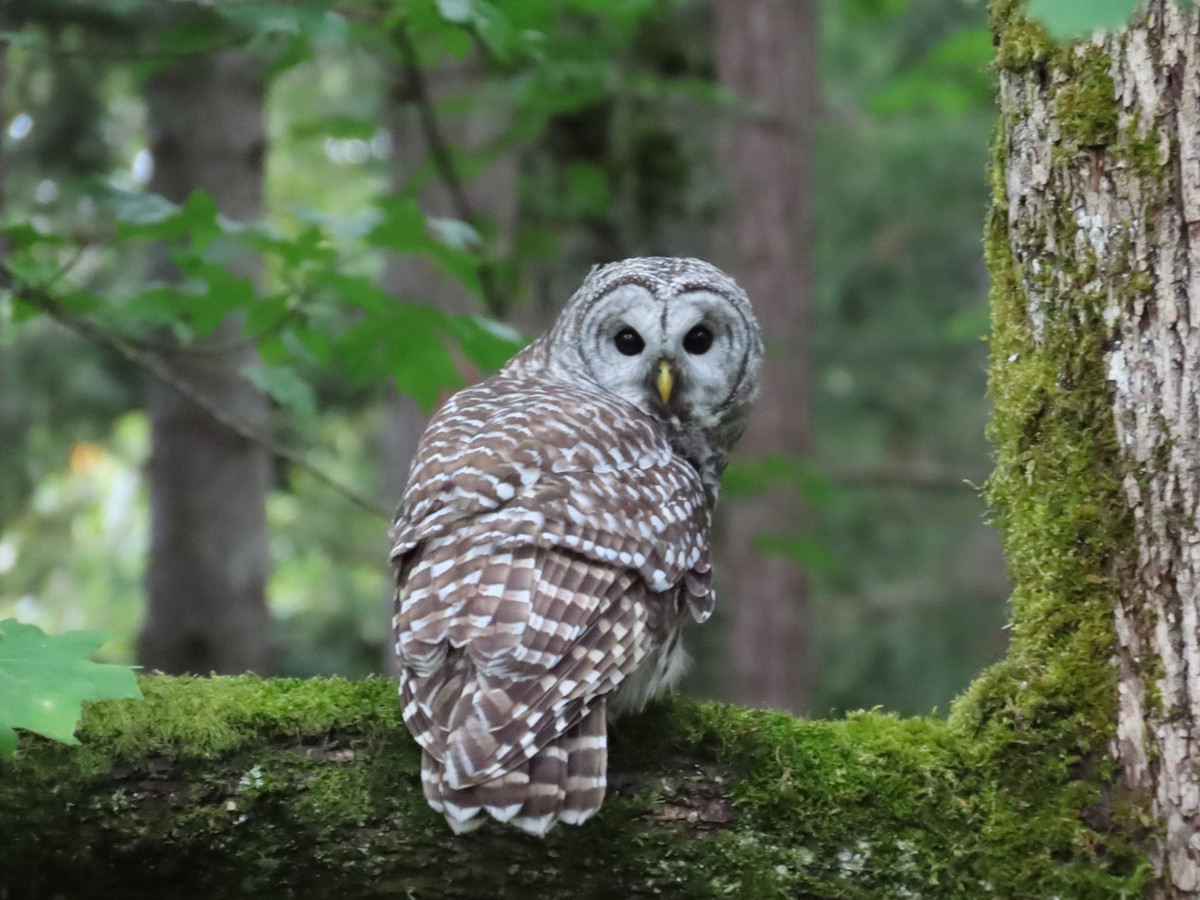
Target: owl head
<point>674,337</point>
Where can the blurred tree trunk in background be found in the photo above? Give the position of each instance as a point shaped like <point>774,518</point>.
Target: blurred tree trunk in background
<point>413,278</point>
<point>766,55</point>
<point>208,560</point>
<point>492,193</point>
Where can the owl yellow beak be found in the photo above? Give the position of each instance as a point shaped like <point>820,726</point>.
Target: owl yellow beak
<point>665,381</point>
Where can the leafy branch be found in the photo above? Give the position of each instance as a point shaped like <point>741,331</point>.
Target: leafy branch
<point>43,300</point>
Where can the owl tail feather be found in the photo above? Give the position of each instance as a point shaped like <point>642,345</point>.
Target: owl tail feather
<point>565,781</point>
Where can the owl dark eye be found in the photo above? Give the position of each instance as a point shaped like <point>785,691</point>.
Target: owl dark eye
<point>629,342</point>
<point>698,340</point>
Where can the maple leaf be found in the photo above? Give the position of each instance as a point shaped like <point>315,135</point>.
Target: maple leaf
<point>44,680</point>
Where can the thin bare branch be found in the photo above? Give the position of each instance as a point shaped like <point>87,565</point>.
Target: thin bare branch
<point>443,162</point>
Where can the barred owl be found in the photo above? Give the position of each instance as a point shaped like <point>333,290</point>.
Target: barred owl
<point>554,535</point>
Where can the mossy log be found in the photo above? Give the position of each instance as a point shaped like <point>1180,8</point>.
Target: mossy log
<point>248,787</point>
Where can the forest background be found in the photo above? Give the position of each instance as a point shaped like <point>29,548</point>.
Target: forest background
<point>429,173</point>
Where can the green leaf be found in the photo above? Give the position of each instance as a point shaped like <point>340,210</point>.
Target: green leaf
<point>456,11</point>
<point>310,343</point>
<point>148,309</point>
<point>491,25</point>
<point>23,235</point>
<point>265,315</point>
<point>211,293</point>
<point>136,209</point>
<point>310,246</point>
<point>309,20</point>
<point>273,350</point>
<point>403,228</point>
<point>23,311</point>
<point>155,217</point>
<point>83,302</point>
<point>458,264</point>
<point>286,33</point>
<point>1067,19</point>
<point>345,126</point>
<point>589,189</point>
<point>202,29</point>
<point>487,343</point>
<point>455,234</point>
<point>283,385</point>
<point>406,341</point>
<point>354,290</point>
<point>295,50</point>
<point>32,268</point>
<point>45,679</point>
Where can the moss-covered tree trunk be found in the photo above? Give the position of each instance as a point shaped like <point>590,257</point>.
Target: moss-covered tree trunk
<point>1098,299</point>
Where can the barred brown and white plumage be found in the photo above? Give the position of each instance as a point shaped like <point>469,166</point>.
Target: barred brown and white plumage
<point>553,537</point>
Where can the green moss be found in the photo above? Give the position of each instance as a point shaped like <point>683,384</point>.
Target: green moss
<point>206,717</point>
<point>1086,103</point>
<point>1039,723</point>
<point>1139,149</point>
<point>333,797</point>
<point>1079,84</point>
<point>1021,42</point>
<point>285,789</point>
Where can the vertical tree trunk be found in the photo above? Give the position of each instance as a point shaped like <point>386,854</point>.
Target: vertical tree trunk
<point>492,193</point>
<point>208,551</point>
<point>1095,243</point>
<point>766,55</point>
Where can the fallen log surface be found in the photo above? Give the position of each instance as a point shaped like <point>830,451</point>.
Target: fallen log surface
<point>217,787</point>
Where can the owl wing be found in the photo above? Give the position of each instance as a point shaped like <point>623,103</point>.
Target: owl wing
<point>545,535</point>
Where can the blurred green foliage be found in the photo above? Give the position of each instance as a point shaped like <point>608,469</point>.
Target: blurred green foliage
<point>914,600</point>
<point>611,108</point>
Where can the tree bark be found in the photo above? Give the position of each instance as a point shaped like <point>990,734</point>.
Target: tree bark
<point>1098,178</point>
<point>766,55</point>
<point>208,562</point>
